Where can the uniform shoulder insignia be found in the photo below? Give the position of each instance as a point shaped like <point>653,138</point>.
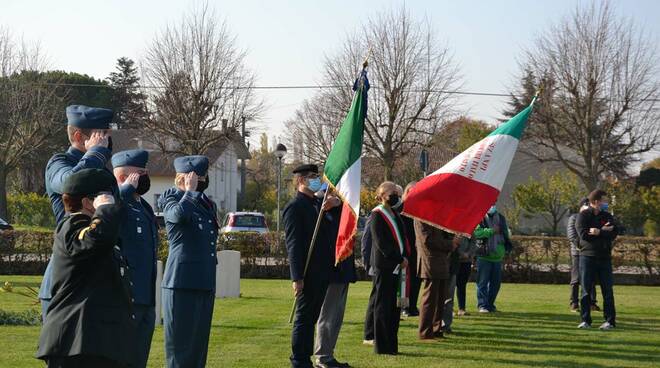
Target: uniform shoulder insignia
<point>82,233</point>
<point>79,220</point>
<point>94,223</point>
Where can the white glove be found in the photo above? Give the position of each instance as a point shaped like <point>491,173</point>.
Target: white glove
<point>103,199</point>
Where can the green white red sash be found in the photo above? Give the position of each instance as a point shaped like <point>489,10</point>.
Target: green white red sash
<point>402,292</point>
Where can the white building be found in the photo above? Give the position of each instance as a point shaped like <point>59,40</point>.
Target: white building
<point>224,174</point>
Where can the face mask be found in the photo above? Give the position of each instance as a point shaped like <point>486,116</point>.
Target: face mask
<point>393,200</point>
<point>604,206</point>
<point>314,184</point>
<point>202,185</point>
<point>143,184</point>
<point>492,210</point>
<point>110,143</point>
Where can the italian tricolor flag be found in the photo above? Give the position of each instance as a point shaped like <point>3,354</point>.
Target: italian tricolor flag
<point>343,167</point>
<point>456,197</point>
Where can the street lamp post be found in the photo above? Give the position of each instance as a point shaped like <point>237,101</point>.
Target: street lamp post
<point>280,152</point>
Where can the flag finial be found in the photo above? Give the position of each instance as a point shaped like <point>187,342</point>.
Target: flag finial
<point>365,64</point>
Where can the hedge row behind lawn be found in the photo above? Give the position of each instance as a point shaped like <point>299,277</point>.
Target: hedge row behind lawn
<point>26,252</point>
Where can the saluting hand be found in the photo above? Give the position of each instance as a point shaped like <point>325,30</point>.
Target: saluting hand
<point>103,199</point>
<point>190,181</point>
<point>133,180</point>
<point>96,139</point>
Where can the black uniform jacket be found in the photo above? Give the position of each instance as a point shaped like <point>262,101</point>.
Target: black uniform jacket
<point>91,309</point>
<point>299,218</point>
<point>385,251</point>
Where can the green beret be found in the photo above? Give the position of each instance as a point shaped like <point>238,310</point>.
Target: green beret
<point>89,182</point>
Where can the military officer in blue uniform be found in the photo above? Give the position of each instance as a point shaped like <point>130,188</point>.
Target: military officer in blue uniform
<point>189,281</point>
<point>91,147</point>
<point>90,322</point>
<point>138,239</point>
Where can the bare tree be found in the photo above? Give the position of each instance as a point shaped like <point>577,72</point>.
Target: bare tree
<point>204,80</point>
<point>599,108</point>
<point>412,79</point>
<point>30,112</point>
<point>315,126</point>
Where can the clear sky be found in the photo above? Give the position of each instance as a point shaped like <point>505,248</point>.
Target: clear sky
<point>287,40</point>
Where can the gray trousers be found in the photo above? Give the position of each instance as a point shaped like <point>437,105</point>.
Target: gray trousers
<point>329,322</point>
<point>448,312</point>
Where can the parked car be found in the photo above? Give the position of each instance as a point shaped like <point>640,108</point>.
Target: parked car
<point>244,222</point>
<point>160,220</point>
<point>4,226</point>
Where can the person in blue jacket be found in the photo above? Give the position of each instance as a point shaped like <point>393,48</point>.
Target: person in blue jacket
<point>91,147</point>
<point>189,280</point>
<point>138,239</point>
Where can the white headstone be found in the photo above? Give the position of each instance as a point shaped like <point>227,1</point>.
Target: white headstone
<point>159,281</point>
<point>228,274</point>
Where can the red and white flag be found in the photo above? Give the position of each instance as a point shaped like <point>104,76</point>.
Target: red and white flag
<point>456,197</point>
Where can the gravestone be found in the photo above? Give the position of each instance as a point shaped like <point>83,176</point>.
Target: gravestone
<point>159,281</point>
<point>228,274</point>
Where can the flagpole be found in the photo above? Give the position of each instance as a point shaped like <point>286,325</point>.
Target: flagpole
<point>309,252</point>
<point>318,220</point>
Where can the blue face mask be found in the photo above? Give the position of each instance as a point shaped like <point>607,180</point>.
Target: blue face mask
<point>492,210</point>
<point>604,206</point>
<point>314,184</point>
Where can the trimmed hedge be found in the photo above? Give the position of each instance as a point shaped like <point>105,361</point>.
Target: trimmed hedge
<point>27,252</point>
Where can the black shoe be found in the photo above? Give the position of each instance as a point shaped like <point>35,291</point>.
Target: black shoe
<point>335,364</point>
<point>413,313</point>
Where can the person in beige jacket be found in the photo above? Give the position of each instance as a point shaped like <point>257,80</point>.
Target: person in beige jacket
<point>433,249</point>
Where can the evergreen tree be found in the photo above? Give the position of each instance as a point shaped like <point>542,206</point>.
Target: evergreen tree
<point>127,100</point>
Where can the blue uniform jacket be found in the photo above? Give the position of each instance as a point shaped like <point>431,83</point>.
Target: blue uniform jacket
<point>58,169</point>
<point>299,219</point>
<point>138,239</point>
<point>192,233</point>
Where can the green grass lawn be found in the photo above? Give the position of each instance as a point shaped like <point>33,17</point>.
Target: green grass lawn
<point>534,329</point>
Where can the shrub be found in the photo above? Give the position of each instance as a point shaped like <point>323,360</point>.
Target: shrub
<point>30,317</point>
<point>30,209</point>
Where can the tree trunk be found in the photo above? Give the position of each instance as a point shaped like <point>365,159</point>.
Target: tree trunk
<point>388,167</point>
<point>3,194</point>
<point>590,181</point>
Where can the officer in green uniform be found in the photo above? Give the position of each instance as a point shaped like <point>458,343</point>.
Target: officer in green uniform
<point>90,322</point>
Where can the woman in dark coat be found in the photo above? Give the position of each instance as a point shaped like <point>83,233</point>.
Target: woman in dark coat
<point>388,259</point>
<point>90,318</point>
